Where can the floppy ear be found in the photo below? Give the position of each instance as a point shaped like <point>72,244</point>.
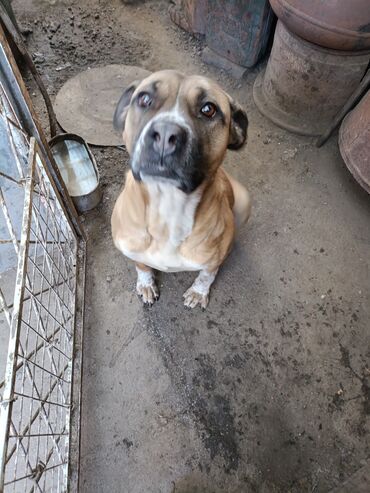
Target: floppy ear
<point>122,107</point>
<point>238,126</point>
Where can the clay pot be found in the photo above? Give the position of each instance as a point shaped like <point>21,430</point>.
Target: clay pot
<point>304,85</point>
<point>339,25</point>
<point>354,142</point>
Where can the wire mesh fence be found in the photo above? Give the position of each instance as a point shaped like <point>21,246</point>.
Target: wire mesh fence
<point>38,286</point>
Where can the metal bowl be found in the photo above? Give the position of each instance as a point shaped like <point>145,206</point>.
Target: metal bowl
<point>78,168</point>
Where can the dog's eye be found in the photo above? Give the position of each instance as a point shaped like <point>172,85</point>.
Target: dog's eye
<point>144,100</point>
<point>209,110</point>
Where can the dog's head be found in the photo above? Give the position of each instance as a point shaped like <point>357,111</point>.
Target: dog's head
<point>177,128</point>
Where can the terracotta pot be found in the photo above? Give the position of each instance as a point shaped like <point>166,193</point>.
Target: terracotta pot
<point>336,24</point>
<point>354,142</point>
<point>304,85</point>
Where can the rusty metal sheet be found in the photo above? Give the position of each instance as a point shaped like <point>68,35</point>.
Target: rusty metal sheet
<point>239,31</point>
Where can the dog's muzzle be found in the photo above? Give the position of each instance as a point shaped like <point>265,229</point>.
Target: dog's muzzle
<point>165,139</point>
<point>167,150</point>
<point>161,148</point>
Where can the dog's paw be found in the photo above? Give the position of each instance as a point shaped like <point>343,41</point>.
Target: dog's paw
<point>193,298</point>
<point>148,293</point>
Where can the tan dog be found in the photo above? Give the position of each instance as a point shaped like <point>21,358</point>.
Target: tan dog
<point>178,209</point>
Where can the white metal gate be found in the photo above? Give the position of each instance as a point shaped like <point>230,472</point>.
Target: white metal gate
<point>41,296</point>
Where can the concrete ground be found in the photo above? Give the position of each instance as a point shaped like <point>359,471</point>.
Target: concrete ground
<point>269,389</point>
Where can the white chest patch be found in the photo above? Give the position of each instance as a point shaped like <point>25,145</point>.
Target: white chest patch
<point>173,211</point>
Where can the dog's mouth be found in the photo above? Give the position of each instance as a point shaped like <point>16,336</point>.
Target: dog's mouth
<point>154,170</point>
<point>186,178</point>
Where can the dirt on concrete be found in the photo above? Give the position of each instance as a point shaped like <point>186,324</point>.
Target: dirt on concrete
<point>268,390</point>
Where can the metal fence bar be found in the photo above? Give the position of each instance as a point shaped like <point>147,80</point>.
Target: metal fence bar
<point>7,399</point>
<point>24,451</point>
<point>75,416</point>
<point>29,424</point>
<point>5,308</point>
<point>26,298</point>
<point>9,222</point>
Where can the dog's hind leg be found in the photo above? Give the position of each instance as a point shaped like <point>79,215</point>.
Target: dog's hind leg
<point>198,293</point>
<point>146,286</point>
<point>242,202</point>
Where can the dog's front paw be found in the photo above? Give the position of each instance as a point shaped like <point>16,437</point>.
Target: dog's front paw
<point>148,293</point>
<point>193,298</point>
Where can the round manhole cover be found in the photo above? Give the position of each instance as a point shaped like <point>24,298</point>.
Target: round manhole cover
<point>86,103</point>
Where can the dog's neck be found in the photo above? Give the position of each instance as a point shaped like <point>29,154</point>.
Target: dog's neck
<point>171,209</point>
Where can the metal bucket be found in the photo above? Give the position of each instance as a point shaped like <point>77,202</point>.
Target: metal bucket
<point>78,168</point>
<point>304,85</point>
<point>354,142</point>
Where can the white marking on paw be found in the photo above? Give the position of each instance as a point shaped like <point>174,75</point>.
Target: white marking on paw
<point>198,293</point>
<point>193,298</point>
<point>146,286</point>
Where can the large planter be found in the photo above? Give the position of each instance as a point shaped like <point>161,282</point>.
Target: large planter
<point>304,85</point>
<point>335,24</point>
<point>354,142</point>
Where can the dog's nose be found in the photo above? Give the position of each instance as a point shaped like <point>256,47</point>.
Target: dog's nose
<point>167,137</point>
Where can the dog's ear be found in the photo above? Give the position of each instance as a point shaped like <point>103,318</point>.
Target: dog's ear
<point>238,126</point>
<point>123,104</point>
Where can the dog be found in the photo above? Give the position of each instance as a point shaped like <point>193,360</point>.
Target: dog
<point>179,209</point>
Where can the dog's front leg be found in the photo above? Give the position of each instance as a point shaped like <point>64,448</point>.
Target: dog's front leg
<point>198,293</point>
<point>146,286</point>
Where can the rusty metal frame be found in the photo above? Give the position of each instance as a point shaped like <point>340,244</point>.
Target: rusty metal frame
<point>41,168</point>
